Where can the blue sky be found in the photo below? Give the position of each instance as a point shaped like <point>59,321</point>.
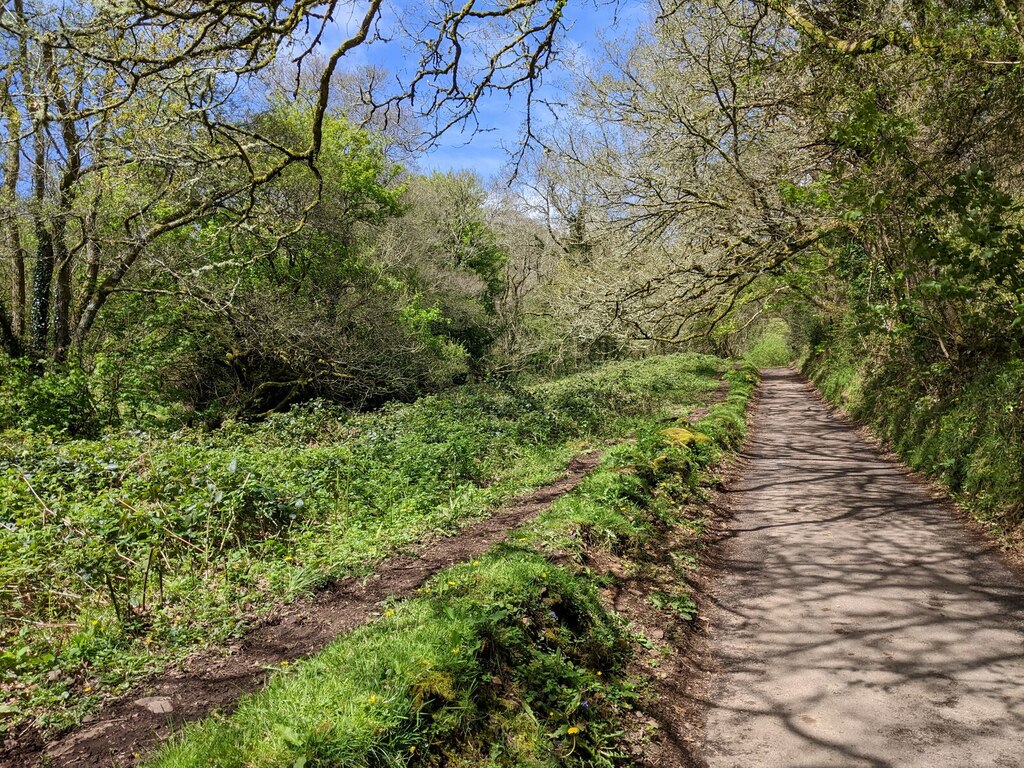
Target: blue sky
<point>500,117</point>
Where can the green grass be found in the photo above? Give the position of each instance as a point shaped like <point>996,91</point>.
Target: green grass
<point>771,348</point>
<point>425,677</point>
<point>839,376</point>
<point>506,661</point>
<point>121,553</point>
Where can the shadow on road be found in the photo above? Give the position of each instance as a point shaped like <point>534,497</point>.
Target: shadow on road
<point>858,624</point>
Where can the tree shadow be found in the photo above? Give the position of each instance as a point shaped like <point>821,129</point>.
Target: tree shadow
<point>857,623</point>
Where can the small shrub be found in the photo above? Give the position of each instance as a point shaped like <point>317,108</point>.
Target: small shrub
<point>56,400</point>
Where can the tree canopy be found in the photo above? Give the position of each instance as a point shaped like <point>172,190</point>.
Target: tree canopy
<point>215,170</point>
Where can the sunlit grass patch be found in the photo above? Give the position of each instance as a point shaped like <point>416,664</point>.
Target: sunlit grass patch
<point>168,542</point>
<point>771,348</point>
<point>439,667</point>
<point>508,660</point>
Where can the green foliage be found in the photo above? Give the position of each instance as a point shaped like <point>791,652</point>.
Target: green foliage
<point>771,349</point>
<point>872,132</point>
<point>815,194</point>
<point>681,603</point>
<point>358,177</point>
<point>930,248</point>
<point>169,541</point>
<point>57,400</point>
<point>974,237</point>
<point>506,661</point>
<point>383,286</point>
<point>630,387</point>
<point>726,421</point>
<point>449,251</point>
<point>411,688</point>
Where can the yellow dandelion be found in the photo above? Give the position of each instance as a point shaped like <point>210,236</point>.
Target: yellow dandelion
<point>285,664</point>
<point>389,613</point>
<point>455,650</point>
<point>451,583</point>
<point>88,688</point>
<point>573,730</point>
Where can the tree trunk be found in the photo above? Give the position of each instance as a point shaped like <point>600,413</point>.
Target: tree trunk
<point>8,341</point>
<point>42,276</point>
<point>62,298</point>
<point>69,181</point>
<point>11,234</point>
<point>92,265</point>
<point>42,285</point>
<point>12,242</point>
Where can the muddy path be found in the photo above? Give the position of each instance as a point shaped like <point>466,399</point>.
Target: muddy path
<point>858,621</point>
<point>213,680</point>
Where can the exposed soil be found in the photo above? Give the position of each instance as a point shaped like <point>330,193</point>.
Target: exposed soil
<point>665,729</point>
<point>668,725</point>
<point>858,622</point>
<point>214,680</point>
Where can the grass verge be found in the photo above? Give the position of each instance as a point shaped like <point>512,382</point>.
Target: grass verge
<point>120,554</point>
<point>511,660</point>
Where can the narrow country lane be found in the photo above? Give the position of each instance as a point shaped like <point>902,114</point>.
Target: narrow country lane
<point>858,623</point>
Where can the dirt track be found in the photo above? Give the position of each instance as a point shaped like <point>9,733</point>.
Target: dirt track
<point>125,728</point>
<point>858,622</point>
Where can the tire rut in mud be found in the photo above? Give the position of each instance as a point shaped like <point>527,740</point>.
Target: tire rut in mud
<point>209,681</point>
